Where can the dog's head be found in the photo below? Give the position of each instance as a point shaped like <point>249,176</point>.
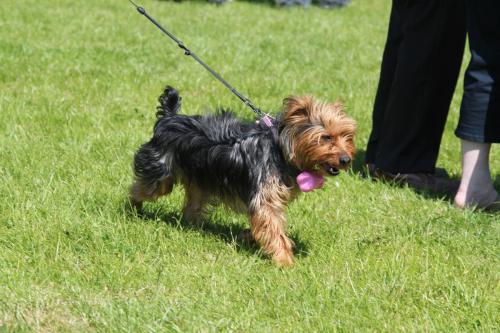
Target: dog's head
<point>317,136</point>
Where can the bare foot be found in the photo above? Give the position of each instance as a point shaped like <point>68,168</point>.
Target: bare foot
<point>476,187</point>
<point>480,199</point>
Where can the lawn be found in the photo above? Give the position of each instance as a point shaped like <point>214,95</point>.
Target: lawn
<point>78,87</point>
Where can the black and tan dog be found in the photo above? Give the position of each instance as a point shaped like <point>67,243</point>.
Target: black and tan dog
<point>250,168</point>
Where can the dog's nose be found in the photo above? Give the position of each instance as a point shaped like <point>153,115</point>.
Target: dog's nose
<point>344,160</point>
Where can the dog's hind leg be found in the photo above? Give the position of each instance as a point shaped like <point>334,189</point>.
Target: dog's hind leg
<point>194,204</point>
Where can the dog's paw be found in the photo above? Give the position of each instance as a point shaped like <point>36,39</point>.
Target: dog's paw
<point>283,259</point>
<point>194,220</point>
<point>134,206</point>
<point>245,237</point>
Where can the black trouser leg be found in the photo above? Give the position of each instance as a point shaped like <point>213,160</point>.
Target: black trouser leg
<point>419,72</point>
<point>387,71</point>
<point>480,111</point>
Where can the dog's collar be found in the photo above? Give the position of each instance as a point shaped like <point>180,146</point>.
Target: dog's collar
<point>266,121</point>
<point>306,180</point>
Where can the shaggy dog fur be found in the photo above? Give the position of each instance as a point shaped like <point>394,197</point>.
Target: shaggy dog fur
<point>250,168</point>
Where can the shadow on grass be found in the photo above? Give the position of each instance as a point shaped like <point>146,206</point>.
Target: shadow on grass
<point>359,168</point>
<point>496,182</point>
<point>211,226</point>
<point>358,165</point>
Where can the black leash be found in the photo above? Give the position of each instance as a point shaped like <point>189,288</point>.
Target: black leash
<point>268,120</point>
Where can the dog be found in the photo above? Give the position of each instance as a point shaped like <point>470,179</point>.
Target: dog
<point>250,167</point>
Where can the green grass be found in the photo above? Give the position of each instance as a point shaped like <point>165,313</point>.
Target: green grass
<point>78,88</point>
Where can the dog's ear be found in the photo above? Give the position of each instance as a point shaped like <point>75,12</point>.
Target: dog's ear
<point>297,107</point>
<point>337,106</point>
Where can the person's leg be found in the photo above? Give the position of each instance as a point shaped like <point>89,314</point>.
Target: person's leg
<point>428,63</point>
<point>480,111</point>
<point>387,70</point>
<point>479,123</point>
<point>476,187</point>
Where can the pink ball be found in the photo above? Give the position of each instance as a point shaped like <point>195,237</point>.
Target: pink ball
<point>309,181</point>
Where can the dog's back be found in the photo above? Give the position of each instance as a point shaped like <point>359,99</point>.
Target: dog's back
<point>222,155</point>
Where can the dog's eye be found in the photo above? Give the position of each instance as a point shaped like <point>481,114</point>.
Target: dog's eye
<point>327,138</point>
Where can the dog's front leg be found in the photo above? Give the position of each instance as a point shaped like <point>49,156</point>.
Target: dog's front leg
<point>268,229</point>
<point>268,221</point>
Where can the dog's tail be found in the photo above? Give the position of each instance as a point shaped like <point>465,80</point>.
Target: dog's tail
<point>170,102</point>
